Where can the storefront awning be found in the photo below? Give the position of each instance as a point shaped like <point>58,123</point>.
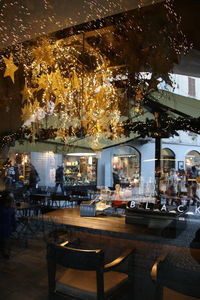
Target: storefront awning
<point>188,106</point>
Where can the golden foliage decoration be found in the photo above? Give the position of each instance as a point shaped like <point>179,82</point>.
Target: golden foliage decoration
<point>75,81</point>
<point>26,92</point>
<point>60,134</point>
<point>11,68</point>
<point>43,82</point>
<point>27,112</point>
<point>86,101</point>
<point>43,54</point>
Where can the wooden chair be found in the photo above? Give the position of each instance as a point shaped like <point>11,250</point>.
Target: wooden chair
<point>176,281</point>
<point>26,229</point>
<point>86,276</point>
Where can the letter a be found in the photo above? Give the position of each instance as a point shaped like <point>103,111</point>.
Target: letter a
<point>164,207</point>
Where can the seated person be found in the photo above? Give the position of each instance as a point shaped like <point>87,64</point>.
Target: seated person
<point>118,197</point>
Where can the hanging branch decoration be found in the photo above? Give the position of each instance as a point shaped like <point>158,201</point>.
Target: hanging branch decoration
<point>168,126</point>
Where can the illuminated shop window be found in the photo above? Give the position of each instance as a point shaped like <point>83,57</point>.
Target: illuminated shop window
<point>168,160</point>
<point>126,165</point>
<point>80,168</point>
<point>192,159</point>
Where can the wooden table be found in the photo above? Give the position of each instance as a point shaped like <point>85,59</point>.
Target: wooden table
<point>116,227</point>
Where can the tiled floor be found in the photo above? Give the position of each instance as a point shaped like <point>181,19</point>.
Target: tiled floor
<point>24,275</point>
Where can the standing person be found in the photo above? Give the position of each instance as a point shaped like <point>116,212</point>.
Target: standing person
<point>172,186</point>
<point>7,222</point>
<point>59,179</point>
<point>188,182</point>
<point>116,179</point>
<point>33,178</point>
<point>191,184</point>
<point>193,176</point>
<point>181,188</point>
<point>16,169</point>
<point>10,178</point>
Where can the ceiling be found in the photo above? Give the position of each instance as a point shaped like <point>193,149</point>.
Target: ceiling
<point>26,19</point>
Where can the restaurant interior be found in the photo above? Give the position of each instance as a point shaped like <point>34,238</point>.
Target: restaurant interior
<point>75,80</point>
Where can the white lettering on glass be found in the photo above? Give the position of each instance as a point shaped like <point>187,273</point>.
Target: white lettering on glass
<point>164,207</point>
<point>179,208</point>
<point>197,210</point>
<point>132,204</point>
<point>147,206</point>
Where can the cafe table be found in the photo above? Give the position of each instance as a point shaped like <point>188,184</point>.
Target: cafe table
<point>40,198</point>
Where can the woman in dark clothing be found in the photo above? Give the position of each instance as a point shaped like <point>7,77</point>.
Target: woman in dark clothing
<point>33,178</point>
<point>116,179</point>
<point>16,169</point>
<point>192,184</point>
<point>59,179</point>
<point>7,222</point>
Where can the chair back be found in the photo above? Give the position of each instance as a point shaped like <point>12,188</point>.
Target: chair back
<point>76,258</point>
